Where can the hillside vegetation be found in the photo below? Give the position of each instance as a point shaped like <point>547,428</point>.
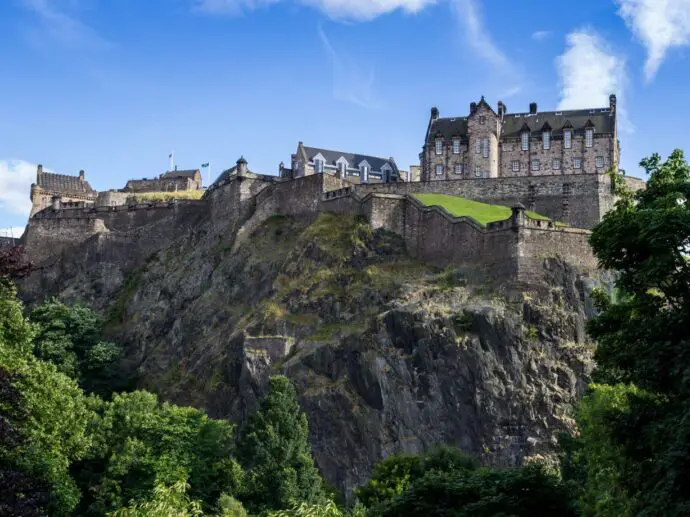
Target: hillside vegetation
<point>161,197</point>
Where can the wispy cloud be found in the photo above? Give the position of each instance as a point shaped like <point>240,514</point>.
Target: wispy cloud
<point>336,9</point>
<point>589,71</point>
<point>659,24</point>
<point>351,83</point>
<point>58,20</point>
<point>541,35</point>
<point>16,177</point>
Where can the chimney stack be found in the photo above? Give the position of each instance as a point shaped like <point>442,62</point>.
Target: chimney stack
<point>434,113</point>
<point>533,108</point>
<point>612,102</point>
<point>39,169</point>
<point>473,107</point>
<point>241,166</point>
<point>501,109</point>
<point>81,175</point>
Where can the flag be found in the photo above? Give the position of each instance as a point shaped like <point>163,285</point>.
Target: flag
<point>204,164</point>
<point>170,155</point>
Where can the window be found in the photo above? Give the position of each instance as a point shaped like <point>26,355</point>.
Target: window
<point>341,169</point>
<point>456,146</point>
<point>439,169</point>
<point>535,165</point>
<point>556,164</point>
<point>439,146</point>
<point>546,139</point>
<point>482,119</point>
<point>478,145</point>
<point>318,166</point>
<point>525,141</point>
<point>478,171</point>
<point>589,137</point>
<point>458,169</point>
<point>577,163</point>
<point>516,166</point>
<point>485,150</point>
<point>568,139</point>
<point>364,172</point>
<point>599,162</point>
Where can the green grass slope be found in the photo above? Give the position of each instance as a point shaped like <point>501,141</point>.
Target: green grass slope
<point>483,213</point>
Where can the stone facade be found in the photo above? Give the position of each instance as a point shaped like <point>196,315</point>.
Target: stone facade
<point>171,181</point>
<point>50,186</point>
<point>490,144</point>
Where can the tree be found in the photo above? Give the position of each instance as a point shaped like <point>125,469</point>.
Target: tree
<point>70,338</point>
<point>643,337</point>
<point>274,450</point>
<point>139,443</point>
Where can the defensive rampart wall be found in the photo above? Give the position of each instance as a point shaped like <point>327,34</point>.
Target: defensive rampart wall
<point>576,199</point>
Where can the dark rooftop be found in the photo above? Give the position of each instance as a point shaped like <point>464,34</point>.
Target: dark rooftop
<point>353,159</point>
<point>63,184</point>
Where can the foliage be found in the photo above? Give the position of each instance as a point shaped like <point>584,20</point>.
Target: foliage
<point>516,492</point>
<point>70,338</point>
<point>167,501</point>
<point>643,340</point>
<point>228,506</point>
<point>139,442</point>
<point>483,213</point>
<point>274,450</point>
<point>328,509</point>
<point>47,432</point>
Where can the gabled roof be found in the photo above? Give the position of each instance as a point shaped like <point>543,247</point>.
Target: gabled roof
<point>513,124</point>
<point>180,174</point>
<point>64,184</point>
<point>353,159</point>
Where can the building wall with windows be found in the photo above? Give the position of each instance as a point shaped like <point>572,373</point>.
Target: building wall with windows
<point>490,144</point>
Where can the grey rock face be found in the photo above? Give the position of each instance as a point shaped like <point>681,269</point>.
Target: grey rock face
<point>388,355</point>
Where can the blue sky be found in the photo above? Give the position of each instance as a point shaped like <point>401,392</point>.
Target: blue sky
<point>112,87</point>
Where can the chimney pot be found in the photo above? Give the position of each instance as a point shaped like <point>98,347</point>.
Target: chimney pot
<point>434,113</point>
<point>533,107</point>
<point>473,107</point>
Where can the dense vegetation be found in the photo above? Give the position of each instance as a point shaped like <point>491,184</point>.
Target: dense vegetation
<point>75,441</point>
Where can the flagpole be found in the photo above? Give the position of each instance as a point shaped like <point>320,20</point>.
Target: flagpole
<point>172,160</point>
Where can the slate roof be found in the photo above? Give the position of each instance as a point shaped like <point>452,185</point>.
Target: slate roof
<point>353,160</point>
<point>63,184</point>
<point>180,174</point>
<point>513,124</point>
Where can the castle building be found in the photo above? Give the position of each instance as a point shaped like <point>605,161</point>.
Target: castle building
<point>492,144</point>
<point>355,168</point>
<point>68,189</point>
<point>170,181</point>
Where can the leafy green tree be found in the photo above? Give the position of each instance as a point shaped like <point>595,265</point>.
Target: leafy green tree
<point>167,501</point>
<point>47,431</point>
<point>274,450</point>
<point>139,442</point>
<point>516,492</point>
<point>70,338</point>
<point>328,509</point>
<point>643,338</point>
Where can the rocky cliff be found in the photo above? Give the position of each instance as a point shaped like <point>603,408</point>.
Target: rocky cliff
<point>388,354</point>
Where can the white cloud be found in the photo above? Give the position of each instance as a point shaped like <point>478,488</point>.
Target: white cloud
<point>468,14</point>
<point>541,35</point>
<point>659,24</point>
<point>589,71</point>
<point>16,177</point>
<point>15,232</point>
<point>58,19</point>
<point>338,9</point>
<point>350,82</point>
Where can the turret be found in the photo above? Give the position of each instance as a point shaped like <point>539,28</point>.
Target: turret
<point>241,166</point>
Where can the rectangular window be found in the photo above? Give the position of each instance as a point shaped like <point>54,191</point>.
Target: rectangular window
<point>577,163</point>
<point>318,166</point>
<point>439,169</point>
<point>525,141</point>
<point>516,166</point>
<point>478,171</point>
<point>568,139</point>
<point>485,150</point>
<point>458,169</point>
<point>478,146</point>
<point>556,165</point>
<point>439,146</point>
<point>482,119</point>
<point>546,139</point>
<point>456,146</point>
<point>589,137</point>
<point>535,165</point>
<point>600,162</point>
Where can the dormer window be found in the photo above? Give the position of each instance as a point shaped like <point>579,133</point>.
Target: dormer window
<point>439,146</point>
<point>456,146</point>
<point>568,139</point>
<point>318,165</point>
<point>364,172</point>
<point>525,141</point>
<point>546,139</point>
<point>341,169</point>
<point>589,137</point>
